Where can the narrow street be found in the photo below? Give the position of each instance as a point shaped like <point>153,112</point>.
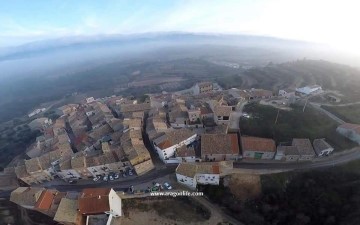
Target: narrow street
<point>328,161</point>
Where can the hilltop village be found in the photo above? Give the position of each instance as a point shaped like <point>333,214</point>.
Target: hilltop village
<point>106,139</point>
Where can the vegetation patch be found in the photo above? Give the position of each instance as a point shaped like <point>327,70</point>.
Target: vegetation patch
<point>330,196</point>
<point>291,124</point>
<point>349,113</point>
<point>244,186</point>
<point>182,209</point>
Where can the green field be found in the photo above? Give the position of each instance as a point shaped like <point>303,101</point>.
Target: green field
<point>291,124</point>
<point>350,114</point>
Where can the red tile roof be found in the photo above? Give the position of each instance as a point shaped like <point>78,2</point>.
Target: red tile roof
<point>216,169</point>
<point>45,200</point>
<point>258,144</point>
<point>94,201</point>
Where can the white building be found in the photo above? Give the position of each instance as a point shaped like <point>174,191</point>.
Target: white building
<point>286,93</point>
<point>307,90</point>
<point>192,174</point>
<point>203,87</point>
<point>90,100</point>
<point>36,111</point>
<point>167,144</point>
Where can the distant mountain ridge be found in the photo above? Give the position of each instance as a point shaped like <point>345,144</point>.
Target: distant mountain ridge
<point>46,46</point>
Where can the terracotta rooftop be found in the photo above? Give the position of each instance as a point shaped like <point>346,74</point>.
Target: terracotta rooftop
<point>159,124</point>
<point>65,165</point>
<point>205,110</point>
<point>46,199</point>
<point>135,123</point>
<point>219,144</point>
<point>135,134</point>
<point>185,151</point>
<point>288,150</point>
<point>26,196</point>
<point>78,162</point>
<point>21,171</point>
<point>67,212</point>
<point>33,165</point>
<point>187,169</point>
<point>220,110</point>
<point>208,168</point>
<point>139,114</point>
<point>106,158</point>
<point>134,107</point>
<point>258,144</point>
<point>191,169</point>
<point>100,132</point>
<point>173,137</point>
<point>94,201</point>
<point>304,146</point>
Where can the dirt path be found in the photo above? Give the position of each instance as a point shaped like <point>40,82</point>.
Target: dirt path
<point>217,213</point>
<point>329,114</point>
<point>339,105</point>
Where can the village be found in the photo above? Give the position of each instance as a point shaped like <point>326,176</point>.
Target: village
<point>117,138</point>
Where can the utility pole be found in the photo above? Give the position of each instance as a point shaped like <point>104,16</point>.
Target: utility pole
<point>305,104</point>
<point>277,116</point>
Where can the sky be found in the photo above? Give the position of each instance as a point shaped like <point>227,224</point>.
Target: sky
<point>333,22</point>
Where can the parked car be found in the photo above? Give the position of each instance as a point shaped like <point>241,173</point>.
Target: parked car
<point>154,189</point>
<point>96,178</point>
<point>116,176</point>
<point>72,181</point>
<point>124,174</point>
<point>111,177</point>
<point>130,173</point>
<point>167,186</point>
<point>106,178</point>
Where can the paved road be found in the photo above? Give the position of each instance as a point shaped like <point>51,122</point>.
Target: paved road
<point>329,114</point>
<point>323,163</point>
<point>236,115</point>
<point>117,185</point>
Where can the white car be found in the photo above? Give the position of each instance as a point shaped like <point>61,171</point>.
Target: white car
<point>111,177</point>
<point>105,178</point>
<point>167,186</point>
<point>130,173</point>
<point>96,179</point>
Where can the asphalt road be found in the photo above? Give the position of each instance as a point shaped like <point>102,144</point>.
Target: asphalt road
<point>153,175</point>
<point>117,185</point>
<point>329,161</point>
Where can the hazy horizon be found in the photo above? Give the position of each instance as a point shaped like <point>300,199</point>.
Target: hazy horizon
<point>327,22</point>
